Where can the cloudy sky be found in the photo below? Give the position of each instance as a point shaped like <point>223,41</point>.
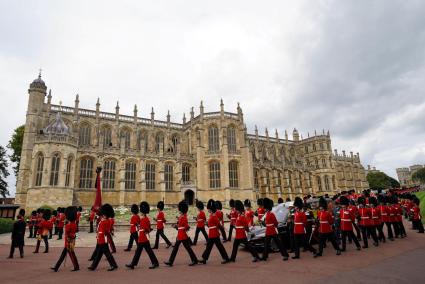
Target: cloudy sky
<point>354,67</point>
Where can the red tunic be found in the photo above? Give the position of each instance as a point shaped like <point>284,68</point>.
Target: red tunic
<point>92,214</point>
<point>102,230</point>
<point>347,219</point>
<point>260,212</point>
<point>53,219</point>
<point>392,213</point>
<point>300,221</point>
<point>61,220</point>
<point>325,222</point>
<point>398,213</point>
<point>416,213</point>
<point>78,216</point>
<point>241,225</point>
<point>249,214</point>
<point>365,216</point>
<point>111,224</point>
<point>160,220</point>
<point>375,214</point>
<point>134,221</point>
<point>182,227</point>
<point>70,231</point>
<point>271,224</point>
<point>233,215</point>
<point>213,225</point>
<point>220,217</point>
<point>383,209</point>
<point>144,229</point>
<point>43,227</point>
<point>200,219</point>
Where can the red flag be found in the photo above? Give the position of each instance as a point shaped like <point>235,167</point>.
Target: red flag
<point>98,200</point>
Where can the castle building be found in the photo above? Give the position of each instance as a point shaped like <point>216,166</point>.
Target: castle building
<point>208,155</point>
<point>404,175</point>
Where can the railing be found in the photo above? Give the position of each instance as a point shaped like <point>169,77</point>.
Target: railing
<point>86,112</point>
<point>47,138</point>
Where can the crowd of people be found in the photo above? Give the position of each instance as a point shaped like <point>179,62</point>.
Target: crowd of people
<point>347,216</point>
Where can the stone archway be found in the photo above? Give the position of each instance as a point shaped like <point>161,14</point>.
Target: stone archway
<point>189,196</point>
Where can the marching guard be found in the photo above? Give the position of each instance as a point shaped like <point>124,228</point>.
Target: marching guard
<point>43,231</point>
<point>60,222</point>
<point>300,223</point>
<point>249,214</point>
<point>220,217</point>
<point>416,218</point>
<point>325,219</point>
<point>200,222</point>
<point>160,221</point>
<point>31,224</point>
<point>347,219</point>
<point>232,216</point>
<point>18,235</point>
<point>260,210</point>
<point>366,222</point>
<point>134,226</point>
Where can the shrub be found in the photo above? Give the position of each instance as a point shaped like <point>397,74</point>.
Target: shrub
<point>6,225</point>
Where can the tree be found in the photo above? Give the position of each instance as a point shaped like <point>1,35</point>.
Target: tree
<point>379,180</point>
<point>15,144</point>
<point>419,176</point>
<point>3,172</point>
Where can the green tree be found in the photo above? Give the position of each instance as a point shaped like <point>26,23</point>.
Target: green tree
<point>15,144</point>
<point>379,180</point>
<point>419,176</point>
<point>3,172</point>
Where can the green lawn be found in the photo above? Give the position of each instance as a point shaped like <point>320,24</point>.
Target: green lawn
<point>421,196</point>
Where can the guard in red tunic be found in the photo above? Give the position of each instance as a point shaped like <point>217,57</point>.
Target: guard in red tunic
<point>299,220</point>
<point>232,217</point>
<point>214,235</point>
<point>375,217</point>
<point>43,231</point>
<point>200,223</point>
<point>260,210</point>
<point>220,217</point>
<point>102,248</point>
<point>241,227</point>
<point>366,223</point>
<point>31,224</point>
<point>325,219</point>
<point>143,242</point>
<point>383,213</point>
<point>53,221</point>
<point>92,216</point>
<point>134,226</point>
<point>110,234</point>
<point>60,222</point>
<point>392,215</point>
<point>160,222</point>
<point>18,234</point>
<point>271,232</point>
<point>399,218</point>
<point>355,211</point>
<point>416,218</point>
<point>347,219</point>
<point>249,214</point>
<point>70,235</point>
<point>38,219</point>
<point>77,221</point>
<point>182,238</point>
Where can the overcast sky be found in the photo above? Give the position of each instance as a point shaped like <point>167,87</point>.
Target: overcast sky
<point>353,67</point>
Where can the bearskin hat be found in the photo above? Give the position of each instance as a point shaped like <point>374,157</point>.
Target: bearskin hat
<point>47,214</point>
<point>416,200</point>
<point>298,202</point>
<point>33,213</point>
<point>107,210</point>
<point>134,209</point>
<point>22,212</point>
<point>160,205</point>
<point>381,199</point>
<point>211,205</point>
<point>39,210</point>
<point>323,203</point>
<point>366,193</point>
<point>80,208</point>
<point>183,208</point>
<point>395,199</point>
<point>260,201</point>
<point>71,213</point>
<point>343,200</point>
<point>361,200</point>
<point>200,205</point>
<point>231,203</point>
<point>373,201</point>
<point>247,203</point>
<point>280,200</point>
<point>144,207</point>
<point>55,213</point>
<point>239,206</point>
<point>268,203</point>
<point>218,205</point>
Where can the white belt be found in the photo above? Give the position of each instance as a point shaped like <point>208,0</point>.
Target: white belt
<point>324,222</point>
<point>240,227</point>
<point>384,214</point>
<point>181,228</point>
<point>346,220</point>
<point>269,225</point>
<point>374,217</point>
<point>160,220</point>
<point>232,218</point>
<point>142,230</point>
<point>365,217</point>
<point>298,223</point>
<point>213,227</point>
<point>391,214</point>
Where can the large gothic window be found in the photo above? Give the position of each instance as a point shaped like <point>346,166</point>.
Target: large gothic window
<point>84,135</point>
<point>125,133</point>
<point>108,181</point>
<point>54,170</point>
<point>107,136</point>
<point>39,170</point>
<point>68,171</point>
<point>86,173</point>
<point>130,175</point>
<point>142,141</point>
<point>215,181</point>
<point>279,179</point>
<point>233,174</point>
<point>319,183</point>
<point>256,184</point>
<point>231,139</point>
<point>327,183</point>
<point>168,176</point>
<point>159,142</point>
<point>150,176</point>
<point>213,139</point>
<point>186,173</point>
<point>174,143</point>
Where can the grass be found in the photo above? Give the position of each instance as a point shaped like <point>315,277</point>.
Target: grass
<point>421,196</point>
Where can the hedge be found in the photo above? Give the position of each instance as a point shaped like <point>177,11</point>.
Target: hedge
<point>6,225</point>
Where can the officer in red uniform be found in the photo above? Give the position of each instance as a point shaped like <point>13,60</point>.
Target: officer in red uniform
<point>355,211</point>
<point>383,213</point>
<point>61,222</point>
<point>31,224</point>
<point>392,215</point>
<point>134,226</point>
<point>77,221</point>
<point>325,220</point>
<point>53,221</point>
<point>260,210</point>
<point>299,220</point>
<point>375,217</point>
<point>232,217</point>
<point>43,231</point>
<point>241,227</point>
<point>366,223</point>
<point>416,218</point>
<point>399,218</point>
<point>143,242</point>
<point>220,217</point>
<point>160,221</point>
<point>200,223</point>
<point>182,237</point>
<point>18,234</point>
<point>110,234</point>
<point>70,235</point>
<point>38,219</point>
<point>214,235</point>
<point>271,232</point>
<point>347,219</point>
<point>249,214</point>
<point>102,247</point>
<point>91,219</point>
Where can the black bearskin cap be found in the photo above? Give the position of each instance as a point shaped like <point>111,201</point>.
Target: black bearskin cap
<point>280,200</point>
<point>80,208</point>
<point>373,201</point>
<point>144,207</point>
<point>260,202</point>
<point>231,203</point>
<point>343,200</point>
<point>247,203</point>
<point>183,207</point>
<point>33,213</point>
<point>416,200</point>
<point>268,204</point>
<point>47,214</point>
<point>298,202</point>
<point>323,203</point>
<point>211,205</point>
<point>361,200</point>
<point>71,213</point>
<point>239,206</point>
<point>55,213</point>
<point>22,212</point>
<point>200,205</point>
<point>134,209</point>
<point>160,205</point>
<point>218,205</point>
<point>107,210</point>
<point>381,199</point>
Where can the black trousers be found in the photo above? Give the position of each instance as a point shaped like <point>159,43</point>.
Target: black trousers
<point>60,233</point>
<point>210,243</point>
<point>111,243</point>
<point>231,228</point>
<point>56,231</point>
<point>34,235</point>
<point>389,230</point>
<point>401,228</point>
<point>237,243</point>
<point>50,233</point>
<point>31,229</point>
<point>103,249</point>
<point>186,244</point>
<point>223,233</point>
<point>197,231</point>
<point>267,241</point>
<point>350,235</point>
<point>300,240</point>
<point>396,229</point>
<point>21,249</point>
<point>91,227</point>
<point>380,229</point>
<point>368,230</point>
<point>72,256</point>
<point>418,225</point>
<point>160,233</point>
<point>133,238</point>
<point>149,251</point>
<point>322,240</point>
<point>46,244</point>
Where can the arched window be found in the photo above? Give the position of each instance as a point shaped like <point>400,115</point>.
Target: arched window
<point>174,143</point>
<point>290,179</point>
<point>321,146</point>
<point>186,173</point>
<point>256,185</point>
<point>213,139</point>
<point>108,174</point>
<point>150,176</point>
<point>326,183</point>
<point>142,141</point>
<point>86,172</point>
<point>316,162</point>
<point>215,181</point>
<point>314,146</point>
<point>231,139</point>
<point>125,133</point>
<point>330,162</point>
<point>279,179</point>
<point>168,176</point>
<point>324,163</point>
<point>68,171</point>
<point>306,149</point>
<point>233,174</point>
<point>130,175</point>
<point>84,135</point>
<point>319,183</point>
<point>309,180</point>
<point>107,136</point>
<point>159,143</point>
<point>267,178</point>
<point>334,182</point>
<point>54,170</point>
<point>39,170</point>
